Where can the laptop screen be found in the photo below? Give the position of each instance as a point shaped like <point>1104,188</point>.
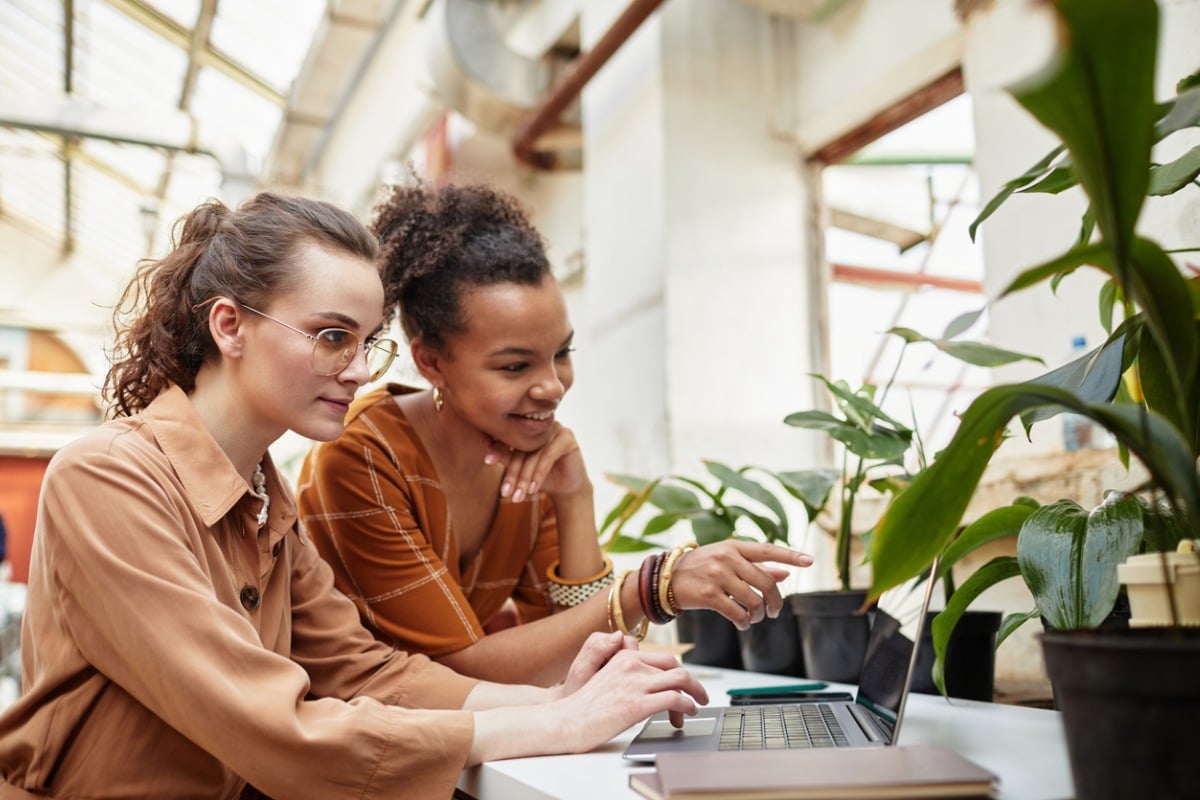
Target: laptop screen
<point>891,649</point>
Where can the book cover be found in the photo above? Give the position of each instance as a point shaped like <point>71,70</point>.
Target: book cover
<point>862,773</point>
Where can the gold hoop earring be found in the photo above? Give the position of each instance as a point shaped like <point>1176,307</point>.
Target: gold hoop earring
<point>438,400</point>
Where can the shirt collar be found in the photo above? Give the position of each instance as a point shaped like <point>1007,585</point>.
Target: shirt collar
<point>212,484</point>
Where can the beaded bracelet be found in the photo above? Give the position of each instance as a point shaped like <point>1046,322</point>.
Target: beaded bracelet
<point>617,616</point>
<point>567,593</point>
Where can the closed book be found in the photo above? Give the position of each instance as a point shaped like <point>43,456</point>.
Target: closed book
<point>862,773</point>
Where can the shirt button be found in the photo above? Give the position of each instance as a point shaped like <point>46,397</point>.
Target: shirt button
<point>250,597</point>
<point>275,550</point>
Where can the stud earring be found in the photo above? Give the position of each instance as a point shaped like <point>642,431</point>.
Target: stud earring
<point>438,400</point>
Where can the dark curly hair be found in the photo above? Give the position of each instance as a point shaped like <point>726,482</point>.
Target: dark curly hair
<point>439,242</point>
<point>244,254</point>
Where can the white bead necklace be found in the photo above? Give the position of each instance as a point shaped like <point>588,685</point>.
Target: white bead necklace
<point>260,490</point>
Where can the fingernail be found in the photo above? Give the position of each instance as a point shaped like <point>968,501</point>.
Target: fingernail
<point>533,487</point>
<point>489,459</point>
<point>517,495</point>
<point>505,488</point>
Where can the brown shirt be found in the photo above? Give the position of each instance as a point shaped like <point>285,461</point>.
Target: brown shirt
<point>373,504</point>
<point>170,649</point>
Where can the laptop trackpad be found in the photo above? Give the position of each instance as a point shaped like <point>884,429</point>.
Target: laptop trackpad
<point>663,729</point>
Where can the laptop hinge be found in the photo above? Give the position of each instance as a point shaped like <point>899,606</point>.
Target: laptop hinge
<point>865,721</point>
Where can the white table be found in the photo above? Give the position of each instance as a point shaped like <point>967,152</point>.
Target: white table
<point>1024,746</point>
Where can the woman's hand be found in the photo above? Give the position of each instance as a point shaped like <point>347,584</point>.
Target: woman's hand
<point>597,650</point>
<point>731,578</point>
<point>556,468</point>
<point>624,690</point>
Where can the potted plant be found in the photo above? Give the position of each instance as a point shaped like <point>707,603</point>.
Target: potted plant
<point>1127,699</point>
<point>730,503</point>
<point>874,448</point>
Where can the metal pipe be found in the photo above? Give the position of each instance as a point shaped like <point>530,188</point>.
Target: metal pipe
<point>571,83</point>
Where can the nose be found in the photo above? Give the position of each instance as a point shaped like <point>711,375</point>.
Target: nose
<point>357,370</point>
<point>549,386</point>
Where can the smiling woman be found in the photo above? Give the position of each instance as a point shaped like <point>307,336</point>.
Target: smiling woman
<point>439,509</point>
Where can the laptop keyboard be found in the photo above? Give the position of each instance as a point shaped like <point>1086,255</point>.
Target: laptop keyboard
<point>781,727</point>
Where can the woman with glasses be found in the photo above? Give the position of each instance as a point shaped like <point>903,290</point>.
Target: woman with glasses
<point>439,509</point>
<point>182,637</point>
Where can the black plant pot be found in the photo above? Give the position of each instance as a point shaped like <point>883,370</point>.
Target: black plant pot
<point>715,639</point>
<point>773,645</point>
<point>970,657</point>
<point>833,633</point>
<point>1117,620</point>
<point>1130,703</point>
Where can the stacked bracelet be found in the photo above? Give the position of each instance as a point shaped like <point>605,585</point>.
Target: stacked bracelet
<point>566,592</point>
<point>655,593</point>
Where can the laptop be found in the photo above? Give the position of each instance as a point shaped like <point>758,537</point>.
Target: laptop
<point>870,719</point>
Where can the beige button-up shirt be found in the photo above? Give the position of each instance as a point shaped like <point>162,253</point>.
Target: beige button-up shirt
<point>171,649</point>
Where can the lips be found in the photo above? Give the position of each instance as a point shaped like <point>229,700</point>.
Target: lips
<point>539,416</point>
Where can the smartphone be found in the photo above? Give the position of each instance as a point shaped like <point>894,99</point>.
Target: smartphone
<point>787,697</point>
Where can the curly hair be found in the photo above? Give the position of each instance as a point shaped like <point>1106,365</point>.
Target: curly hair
<point>439,243</point>
<point>245,254</point>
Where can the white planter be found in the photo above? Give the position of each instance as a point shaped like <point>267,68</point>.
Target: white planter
<point>1152,578</point>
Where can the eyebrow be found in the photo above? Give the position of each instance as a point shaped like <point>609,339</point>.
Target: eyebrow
<point>525,351</point>
<point>348,321</point>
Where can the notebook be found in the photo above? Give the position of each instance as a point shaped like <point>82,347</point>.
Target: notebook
<point>871,718</point>
<point>915,770</point>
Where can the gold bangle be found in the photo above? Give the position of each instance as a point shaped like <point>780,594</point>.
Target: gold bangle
<point>666,594</point>
<point>569,592</point>
<point>617,615</point>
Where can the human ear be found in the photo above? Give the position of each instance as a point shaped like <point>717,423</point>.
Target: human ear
<point>428,362</point>
<point>225,326</point>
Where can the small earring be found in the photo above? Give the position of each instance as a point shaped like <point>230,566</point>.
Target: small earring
<point>438,400</point>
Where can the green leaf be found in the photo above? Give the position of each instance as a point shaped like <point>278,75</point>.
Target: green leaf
<point>1077,256</point>
<point>737,480</point>
<point>709,528</point>
<point>1099,100</point>
<point>1059,180</point>
<point>983,355</point>
<point>920,521</point>
<point>673,499</point>
<point>1030,175</point>
<point>1093,377</point>
<point>879,443</point>
<point>962,323</point>
<point>628,544</point>
<point>995,524</point>
<point>1174,175</point>
<point>811,487</point>
<point>861,402</point>
<point>998,569</point>
<point>1069,557</point>
<point>1183,111</point>
<point>1013,621</point>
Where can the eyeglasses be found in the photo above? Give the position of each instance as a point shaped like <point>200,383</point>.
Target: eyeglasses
<point>334,348</point>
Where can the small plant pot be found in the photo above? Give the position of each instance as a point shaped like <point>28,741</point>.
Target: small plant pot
<point>715,639</point>
<point>833,633</point>
<point>1155,582</point>
<point>773,645</point>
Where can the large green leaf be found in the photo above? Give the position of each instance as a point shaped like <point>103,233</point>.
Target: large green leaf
<point>975,353</point>
<point>1099,99</point>
<point>1093,377</point>
<point>918,523</point>
<point>1069,557</point>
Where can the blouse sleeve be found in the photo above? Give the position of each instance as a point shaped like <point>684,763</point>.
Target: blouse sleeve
<point>126,558</point>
